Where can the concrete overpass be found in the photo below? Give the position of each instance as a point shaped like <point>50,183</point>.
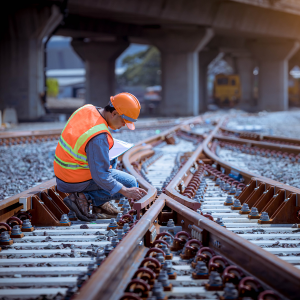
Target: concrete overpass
<point>189,35</point>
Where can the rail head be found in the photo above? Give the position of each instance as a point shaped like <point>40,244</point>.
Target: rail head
<point>251,258</point>
<point>259,144</point>
<point>137,150</point>
<point>185,174</point>
<point>247,175</point>
<point>102,280</point>
<point>259,137</point>
<point>257,261</point>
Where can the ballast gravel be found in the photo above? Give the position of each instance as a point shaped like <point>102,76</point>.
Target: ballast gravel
<point>278,169</point>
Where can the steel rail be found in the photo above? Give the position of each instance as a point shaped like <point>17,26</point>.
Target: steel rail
<point>116,265</point>
<point>185,174</point>
<point>259,137</point>
<point>254,260</point>
<point>260,144</point>
<point>22,201</point>
<point>277,273</point>
<point>138,150</point>
<point>128,159</point>
<point>248,176</point>
<point>6,136</point>
<point>102,284</point>
<point>29,133</point>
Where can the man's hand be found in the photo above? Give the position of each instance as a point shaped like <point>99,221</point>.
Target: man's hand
<point>132,193</point>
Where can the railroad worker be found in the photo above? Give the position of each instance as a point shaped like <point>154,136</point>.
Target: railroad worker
<point>81,163</point>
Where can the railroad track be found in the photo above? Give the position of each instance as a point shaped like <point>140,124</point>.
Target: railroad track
<point>9,138</point>
<point>206,229</point>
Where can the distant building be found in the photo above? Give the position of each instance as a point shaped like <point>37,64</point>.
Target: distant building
<point>67,67</point>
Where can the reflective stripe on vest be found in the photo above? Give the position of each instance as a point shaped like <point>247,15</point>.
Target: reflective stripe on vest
<point>69,165</point>
<point>68,148</point>
<point>81,140</point>
<point>74,152</point>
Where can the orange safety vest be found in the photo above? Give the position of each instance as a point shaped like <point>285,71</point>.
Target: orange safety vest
<point>70,160</point>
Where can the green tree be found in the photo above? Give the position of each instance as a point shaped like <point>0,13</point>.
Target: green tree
<point>142,69</point>
<point>52,87</point>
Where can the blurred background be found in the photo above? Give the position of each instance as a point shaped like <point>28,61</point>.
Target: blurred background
<point>179,58</point>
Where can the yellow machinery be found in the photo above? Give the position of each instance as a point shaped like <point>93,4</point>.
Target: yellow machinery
<point>227,89</point>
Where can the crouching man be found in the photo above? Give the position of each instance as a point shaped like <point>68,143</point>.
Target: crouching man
<point>81,163</point>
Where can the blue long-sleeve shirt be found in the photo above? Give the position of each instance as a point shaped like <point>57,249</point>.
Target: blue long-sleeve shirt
<point>97,151</point>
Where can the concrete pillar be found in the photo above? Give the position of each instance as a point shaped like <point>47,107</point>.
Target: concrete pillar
<point>180,70</point>
<point>291,65</point>
<point>22,59</point>
<point>205,58</point>
<point>294,60</point>
<point>99,57</point>
<point>273,73</point>
<point>245,66</point>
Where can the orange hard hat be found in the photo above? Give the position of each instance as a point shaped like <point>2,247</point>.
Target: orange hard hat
<point>128,107</point>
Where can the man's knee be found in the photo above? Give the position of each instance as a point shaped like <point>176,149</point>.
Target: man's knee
<point>130,182</point>
<point>126,179</point>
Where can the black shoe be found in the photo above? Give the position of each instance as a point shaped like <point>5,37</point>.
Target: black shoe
<point>72,206</point>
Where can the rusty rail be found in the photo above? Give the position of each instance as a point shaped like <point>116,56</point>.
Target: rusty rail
<point>260,144</point>
<point>16,137</point>
<point>22,201</point>
<point>185,174</point>
<point>252,258</point>
<point>138,150</point>
<point>262,265</point>
<point>260,137</point>
<point>246,174</point>
<point>102,281</point>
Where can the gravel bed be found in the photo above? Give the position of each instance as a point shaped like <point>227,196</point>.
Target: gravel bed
<point>284,123</point>
<point>24,166</point>
<point>279,169</point>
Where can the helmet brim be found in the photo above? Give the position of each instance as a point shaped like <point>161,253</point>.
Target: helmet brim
<point>130,125</point>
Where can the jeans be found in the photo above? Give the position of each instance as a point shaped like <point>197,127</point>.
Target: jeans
<point>99,196</point>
